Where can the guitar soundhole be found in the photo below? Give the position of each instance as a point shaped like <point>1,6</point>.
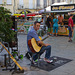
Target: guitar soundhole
<point>39,45</point>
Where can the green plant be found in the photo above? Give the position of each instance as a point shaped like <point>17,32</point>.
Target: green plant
<point>6,34</point>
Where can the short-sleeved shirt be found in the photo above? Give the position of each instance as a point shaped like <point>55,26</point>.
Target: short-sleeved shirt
<point>48,20</point>
<point>60,18</point>
<point>32,34</point>
<point>30,28</point>
<point>70,21</point>
<point>55,21</point>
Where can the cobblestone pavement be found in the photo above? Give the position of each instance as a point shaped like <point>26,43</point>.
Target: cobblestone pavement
<point>60,47</point>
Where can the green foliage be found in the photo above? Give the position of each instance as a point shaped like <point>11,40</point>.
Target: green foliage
<point>6,34</point>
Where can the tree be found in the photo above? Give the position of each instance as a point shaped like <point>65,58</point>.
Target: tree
<point>6,34</point>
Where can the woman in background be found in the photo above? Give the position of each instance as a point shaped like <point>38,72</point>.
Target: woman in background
<point>55,25</point>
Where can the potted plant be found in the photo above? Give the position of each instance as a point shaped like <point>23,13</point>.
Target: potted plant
<point>6,33</point>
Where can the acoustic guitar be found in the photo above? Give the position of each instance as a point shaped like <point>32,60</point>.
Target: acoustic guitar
<point>34,46</point>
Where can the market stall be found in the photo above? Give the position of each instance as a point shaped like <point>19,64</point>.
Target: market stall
<point>64,9</point>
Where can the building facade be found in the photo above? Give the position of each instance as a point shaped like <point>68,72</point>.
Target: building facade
<point>68,1</point>
<point>16,6</point>
<point>7,4</point>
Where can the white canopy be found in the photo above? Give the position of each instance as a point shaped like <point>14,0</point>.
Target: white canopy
<point>48,9</point>
<point>61,3</point>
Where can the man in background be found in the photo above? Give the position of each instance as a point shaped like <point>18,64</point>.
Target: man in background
<point>70,27</point>
<point>49,25</point>
<point>60,18</point>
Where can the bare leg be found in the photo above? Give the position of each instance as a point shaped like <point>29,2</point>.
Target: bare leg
<point>56,34</point>
<point>70,38</point>
<point>48,33</point>
<point>53,34</point>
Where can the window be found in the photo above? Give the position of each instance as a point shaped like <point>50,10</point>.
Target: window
<point>30,4</point>
<point>71,1</point>
<point>38,3</point>
<point>9,1</point>
<point>62,0</point>
<point>58,0</point>
<point>45,3</point>
<point>53,1</point>
<point>74,1</point>
<point>66,1</point>
<point>0,1</point>
<point>20,2</point>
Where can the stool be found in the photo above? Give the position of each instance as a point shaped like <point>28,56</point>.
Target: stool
<point>29,56</point>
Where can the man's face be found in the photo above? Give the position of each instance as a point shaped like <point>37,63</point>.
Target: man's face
<point>72,16</point>
<point>49,16</point>
<point>37,26</point>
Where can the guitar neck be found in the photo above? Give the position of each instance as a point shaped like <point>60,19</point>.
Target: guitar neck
<point>44,38</point>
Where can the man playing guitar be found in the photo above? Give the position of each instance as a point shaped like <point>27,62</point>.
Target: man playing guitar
<point>45,47</point>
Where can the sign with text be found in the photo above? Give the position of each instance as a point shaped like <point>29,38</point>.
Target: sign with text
<point>63,7</point>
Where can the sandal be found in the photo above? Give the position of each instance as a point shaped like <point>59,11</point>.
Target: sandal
<point>69,40</point>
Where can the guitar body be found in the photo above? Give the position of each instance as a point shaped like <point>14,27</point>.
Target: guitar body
<point>30,46</point>
<point>33,45</point>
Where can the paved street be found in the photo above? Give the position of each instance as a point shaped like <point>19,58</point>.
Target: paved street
<point>60,47</point>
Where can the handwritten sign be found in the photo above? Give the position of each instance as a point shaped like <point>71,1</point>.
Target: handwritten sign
<point>63,7</point>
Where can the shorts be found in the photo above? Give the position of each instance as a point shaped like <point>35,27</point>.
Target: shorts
<point>55,28</point>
